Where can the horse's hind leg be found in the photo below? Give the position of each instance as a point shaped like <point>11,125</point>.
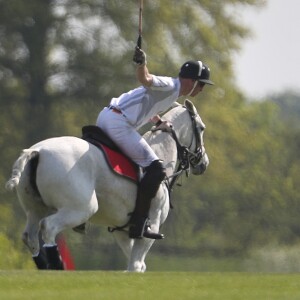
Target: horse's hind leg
<point>31,239</point>
<point>40,259</point>
<point>52,225</point>
<point>30,234</point>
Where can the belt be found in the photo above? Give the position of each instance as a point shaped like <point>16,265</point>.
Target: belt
<point>115,110</point>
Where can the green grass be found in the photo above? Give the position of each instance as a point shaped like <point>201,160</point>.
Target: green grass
<point>152,285</point>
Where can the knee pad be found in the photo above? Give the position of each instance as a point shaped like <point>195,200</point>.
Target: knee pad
<point>154,175</point>
<point>156,171</point>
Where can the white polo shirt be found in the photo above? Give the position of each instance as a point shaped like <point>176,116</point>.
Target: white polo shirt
<point>141,104</point>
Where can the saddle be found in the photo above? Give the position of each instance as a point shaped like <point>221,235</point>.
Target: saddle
<point>118,162</point>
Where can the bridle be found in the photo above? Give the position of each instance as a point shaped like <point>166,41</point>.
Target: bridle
<point>196,156</point>
<point>186,157</point>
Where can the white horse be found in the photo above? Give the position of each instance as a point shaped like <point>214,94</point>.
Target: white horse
<point>62,182</point>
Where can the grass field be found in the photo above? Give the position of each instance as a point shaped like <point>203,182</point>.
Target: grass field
<point>151,285</point>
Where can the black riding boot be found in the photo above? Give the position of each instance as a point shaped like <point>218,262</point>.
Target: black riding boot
<point>147,190</point>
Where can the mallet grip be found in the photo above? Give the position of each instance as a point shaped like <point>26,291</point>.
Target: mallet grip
<point>139,41</point>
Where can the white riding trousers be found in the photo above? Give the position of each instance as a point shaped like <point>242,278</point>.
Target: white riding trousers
<point>126,137</point>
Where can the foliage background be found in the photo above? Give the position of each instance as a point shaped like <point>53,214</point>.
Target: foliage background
<point>61,61</point>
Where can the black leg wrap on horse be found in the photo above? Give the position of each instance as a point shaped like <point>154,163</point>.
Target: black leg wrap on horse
<point>41,261</point>
<point>148,187</point>
<point>54,260</point>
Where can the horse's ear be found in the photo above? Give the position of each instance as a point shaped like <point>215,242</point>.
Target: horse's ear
<point>190,106</point>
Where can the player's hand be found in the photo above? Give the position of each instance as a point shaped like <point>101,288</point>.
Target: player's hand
<point>139,56</point>
<point>165,126</point>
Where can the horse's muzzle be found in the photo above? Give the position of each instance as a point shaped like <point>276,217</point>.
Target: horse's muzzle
<point>199,169</point>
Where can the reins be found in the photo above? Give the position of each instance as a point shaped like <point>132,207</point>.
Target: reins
<point>183,165</point>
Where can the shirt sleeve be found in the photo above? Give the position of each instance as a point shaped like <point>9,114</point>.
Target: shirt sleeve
<point>162,83</point>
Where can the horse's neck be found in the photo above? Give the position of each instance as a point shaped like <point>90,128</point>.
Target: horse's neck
<point>165,148</point>
<point>164,145</point>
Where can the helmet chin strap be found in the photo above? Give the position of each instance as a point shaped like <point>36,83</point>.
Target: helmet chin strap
<point>194,86</point>
<point>199,74</point>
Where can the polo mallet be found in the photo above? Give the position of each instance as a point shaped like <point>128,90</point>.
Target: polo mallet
<point>139,41</point>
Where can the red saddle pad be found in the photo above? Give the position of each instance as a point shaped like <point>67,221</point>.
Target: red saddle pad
<point>120,163</point>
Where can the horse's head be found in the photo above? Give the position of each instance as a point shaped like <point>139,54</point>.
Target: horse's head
<point>197,154</point>
<point>187,132</point>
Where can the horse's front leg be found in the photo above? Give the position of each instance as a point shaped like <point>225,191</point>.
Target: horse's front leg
<point>124,242</point>
<point>141,247</point>
<point>136,262</point>
<point>138,254</point>
<point>157,214</point>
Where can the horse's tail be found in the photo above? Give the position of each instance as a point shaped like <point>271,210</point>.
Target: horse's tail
<point>26,156</point>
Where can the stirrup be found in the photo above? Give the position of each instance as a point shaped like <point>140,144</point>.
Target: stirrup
<point>148,233</point>
<point>141,229</point>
